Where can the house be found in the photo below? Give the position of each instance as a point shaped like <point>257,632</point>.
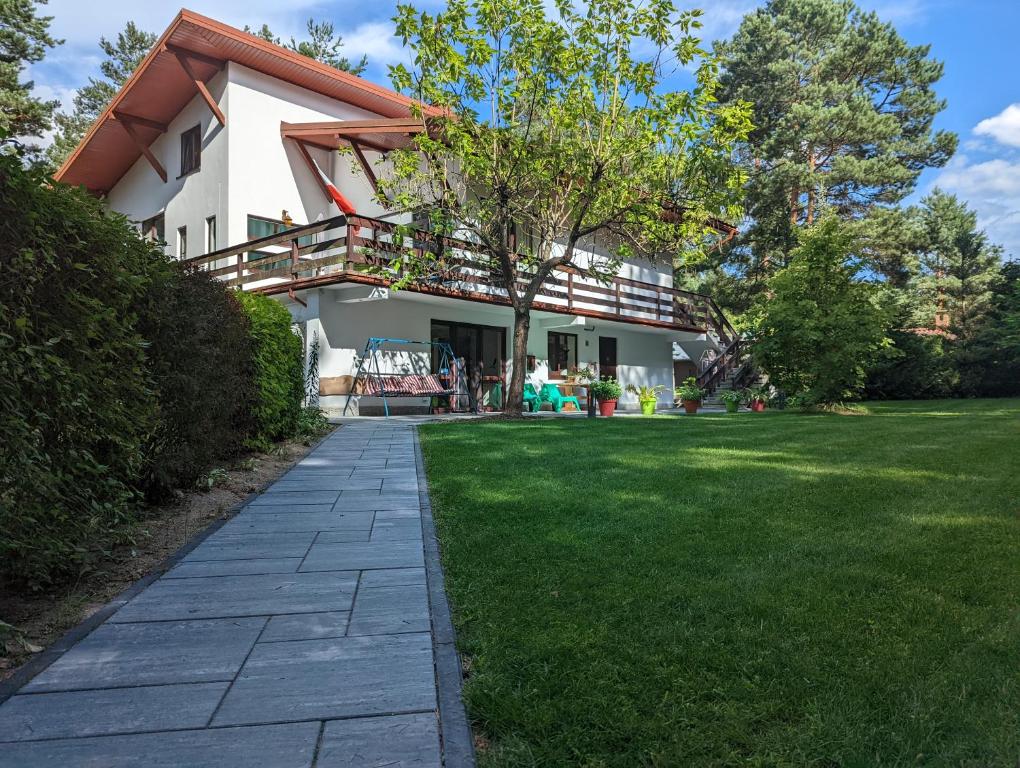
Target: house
<point>225,147</point>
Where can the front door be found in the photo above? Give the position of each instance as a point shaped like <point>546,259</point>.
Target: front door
<point>607,356</point>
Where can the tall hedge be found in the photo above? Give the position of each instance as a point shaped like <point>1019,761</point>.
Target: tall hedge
<point>76,405</point>
<point>279,374</point>
<point>200,361</point>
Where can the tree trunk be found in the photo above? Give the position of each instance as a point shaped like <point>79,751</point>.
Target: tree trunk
<point>515,391</point>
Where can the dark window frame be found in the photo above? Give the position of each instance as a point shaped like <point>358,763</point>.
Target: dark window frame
<point>194,136</point>
<point>182,242</point>
<point>554,370</point>
<point>475,327</point>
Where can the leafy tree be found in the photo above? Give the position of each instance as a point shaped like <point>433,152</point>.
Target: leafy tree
<point>819,329</point>
<point>548,132</point>
<point>989,357</point>
<point>323,44</point>
<point>24,38</point>
<point>123,56</point>
<point>843,119</point>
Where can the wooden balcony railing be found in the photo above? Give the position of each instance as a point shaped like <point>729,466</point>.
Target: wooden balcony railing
<point>359,249</point>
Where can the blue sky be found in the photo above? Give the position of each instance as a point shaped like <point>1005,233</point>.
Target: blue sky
<point>976,39</point>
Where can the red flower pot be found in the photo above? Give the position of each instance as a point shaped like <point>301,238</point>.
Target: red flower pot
<point>691,406</point>
<point>607,407</point>
<point>757,406</point>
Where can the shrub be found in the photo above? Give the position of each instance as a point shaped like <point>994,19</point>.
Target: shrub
<point>200,361</point>
<point>75,399</point>
<point>607,389</point>
<point>278,369</point>
<point>914,367</point>
<point>690,390</point>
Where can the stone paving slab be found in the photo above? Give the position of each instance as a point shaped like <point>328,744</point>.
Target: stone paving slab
<point>404,741</point>
<point>324,679</point>
<point>257,595</point>
<point>289,745</point>
<point>109,711</point>
<point>147,654</point>
<point>298,633</point>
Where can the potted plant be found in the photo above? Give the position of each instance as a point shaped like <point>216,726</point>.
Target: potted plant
<point>647,396</point>
<point>440,404</point>
<point>731,399</point>
<point>587,376</point>
<point>757,397</point>
<point>690,394</point>
<point>607,392</point>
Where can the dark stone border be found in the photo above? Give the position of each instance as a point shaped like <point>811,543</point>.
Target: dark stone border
<point>454,730</point>
<point>65,642</point>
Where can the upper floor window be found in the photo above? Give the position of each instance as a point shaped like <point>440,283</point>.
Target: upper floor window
<point>191,150</point>
<point>154,229</point>
<point>182,243</point>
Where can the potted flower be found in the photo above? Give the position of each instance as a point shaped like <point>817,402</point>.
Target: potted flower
<point>647,396</point>
<point>731,399</point>
<point>690,394</point>
<point>607,392</point>
<point>757,397</point>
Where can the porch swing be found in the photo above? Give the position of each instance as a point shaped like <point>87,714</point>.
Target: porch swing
<point>372,382</point>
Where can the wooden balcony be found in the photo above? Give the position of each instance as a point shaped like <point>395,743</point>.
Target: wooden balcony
<point>359,249</point>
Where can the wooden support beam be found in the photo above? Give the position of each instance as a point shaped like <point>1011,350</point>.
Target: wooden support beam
<point>126,125</point>
<point>129,118</point>
<point>210,60</point>
<point>311,167</point>
<point>365,166</point>
<point>182,59</point>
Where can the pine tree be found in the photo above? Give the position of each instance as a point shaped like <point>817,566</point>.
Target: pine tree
<point>843,113</point>
<point>123,56</point>
<point>24,38</point>
<point>323,44</point>
<point>958,263</point>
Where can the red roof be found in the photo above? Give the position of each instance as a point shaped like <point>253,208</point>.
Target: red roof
<point>159,89</point>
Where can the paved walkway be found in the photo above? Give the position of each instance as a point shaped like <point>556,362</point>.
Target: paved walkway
<point>298,634</point>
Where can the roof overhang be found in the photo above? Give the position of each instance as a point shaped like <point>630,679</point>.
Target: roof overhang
<point>382,135</point>
<point>192,50</point>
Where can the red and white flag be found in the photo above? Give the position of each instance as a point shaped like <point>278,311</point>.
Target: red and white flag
<point>342,202</point>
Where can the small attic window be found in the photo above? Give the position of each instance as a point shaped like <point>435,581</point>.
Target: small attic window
<point>191,150</point>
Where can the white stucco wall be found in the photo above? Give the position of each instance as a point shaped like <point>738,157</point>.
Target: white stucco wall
<point>188,201</point>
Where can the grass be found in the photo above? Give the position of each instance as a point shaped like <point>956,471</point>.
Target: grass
<point>773,589</point>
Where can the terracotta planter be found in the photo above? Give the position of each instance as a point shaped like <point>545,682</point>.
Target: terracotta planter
<point>691,406</point>
<point>607,407</point>
<point>731,407</point>
<point>648,407</point>
<point>440,409</point>
<point>757,406</point>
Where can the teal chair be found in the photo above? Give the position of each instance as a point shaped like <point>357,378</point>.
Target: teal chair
<point>531,399</point>
<point>551,394</point>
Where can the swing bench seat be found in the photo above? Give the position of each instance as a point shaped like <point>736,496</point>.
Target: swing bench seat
<point>405,385</point>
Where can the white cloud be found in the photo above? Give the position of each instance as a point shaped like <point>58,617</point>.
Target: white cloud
<point>1004,127</point>
<point>992,189</point>
<point>375,40</point>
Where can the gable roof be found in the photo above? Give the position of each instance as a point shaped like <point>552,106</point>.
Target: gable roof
<point>160,88</point>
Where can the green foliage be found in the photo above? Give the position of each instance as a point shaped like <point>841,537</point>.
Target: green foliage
<point>24,38</point>
<point>731,396</point>
<point>914,366</point>
<point>312,423</point>
<point>690,390</point>
<point>606,389</point>
<point>323,44</point>
<point>819,329</point>
<point>279,378</point>
<point>759,394</point>
<point>989,358</point>
<point>122,58</point>
<point>549,128</point>
<point>76,402</point>
<point>843,121</point>
<point>200,362</point>
<point>646,394</point>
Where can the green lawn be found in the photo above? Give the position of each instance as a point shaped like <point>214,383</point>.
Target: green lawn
<point>758,589</point>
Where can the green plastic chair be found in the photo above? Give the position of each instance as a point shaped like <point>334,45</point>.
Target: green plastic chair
<point>551,394</point>
<point>531,398</point>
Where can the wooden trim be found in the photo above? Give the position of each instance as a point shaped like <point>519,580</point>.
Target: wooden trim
<point>178,50</point>
<point>314,171</point>
<point>144,148</point>
<point>363,161</point>
<point>161,127</point>
<point>190,72</point>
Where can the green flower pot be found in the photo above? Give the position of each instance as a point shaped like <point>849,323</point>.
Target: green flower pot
<point>648,407</point>
<point>732,407</point>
